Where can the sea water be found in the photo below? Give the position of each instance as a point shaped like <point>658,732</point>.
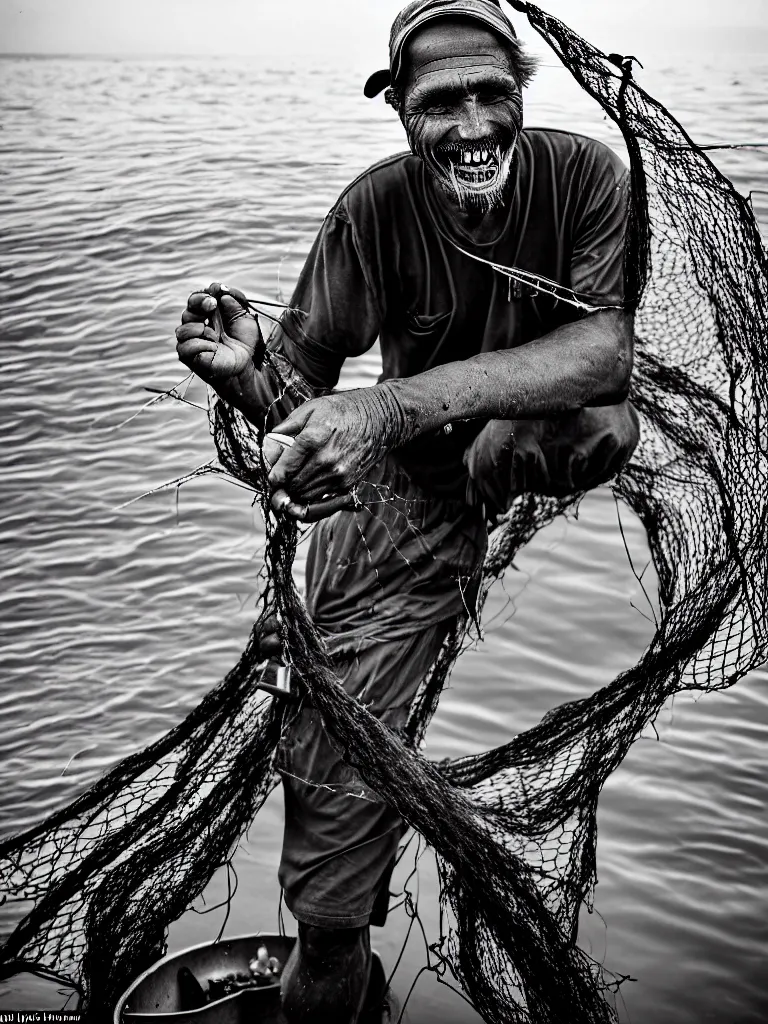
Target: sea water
<point>126,184</point>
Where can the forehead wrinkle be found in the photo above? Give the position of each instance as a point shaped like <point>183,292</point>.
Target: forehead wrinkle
<point>460,82</point>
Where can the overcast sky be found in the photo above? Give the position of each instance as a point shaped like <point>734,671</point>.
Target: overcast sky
<point>354,31</point>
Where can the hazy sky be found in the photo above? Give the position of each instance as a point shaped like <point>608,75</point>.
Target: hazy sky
<point>354,31</point>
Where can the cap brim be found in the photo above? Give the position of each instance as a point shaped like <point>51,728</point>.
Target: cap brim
<point>378,81</point>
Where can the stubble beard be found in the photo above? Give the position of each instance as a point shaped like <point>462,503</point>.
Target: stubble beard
<point>474,176</point>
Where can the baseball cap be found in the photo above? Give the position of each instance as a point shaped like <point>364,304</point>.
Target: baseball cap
<point>418,13</point>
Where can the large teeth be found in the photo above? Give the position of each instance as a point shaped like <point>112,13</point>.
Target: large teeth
<point>476,177</point>
<point>476,156</point>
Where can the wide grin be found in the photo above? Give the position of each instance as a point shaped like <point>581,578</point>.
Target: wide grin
<point>474,167</point>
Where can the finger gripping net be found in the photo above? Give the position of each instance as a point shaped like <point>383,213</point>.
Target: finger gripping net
<point>514,828</point>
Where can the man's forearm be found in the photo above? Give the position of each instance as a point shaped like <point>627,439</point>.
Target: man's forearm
<point>584,363</point>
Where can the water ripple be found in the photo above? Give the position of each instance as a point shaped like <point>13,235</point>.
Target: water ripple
<point>127,184</point>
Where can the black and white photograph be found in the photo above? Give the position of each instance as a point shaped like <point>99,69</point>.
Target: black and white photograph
<point>384,512</point>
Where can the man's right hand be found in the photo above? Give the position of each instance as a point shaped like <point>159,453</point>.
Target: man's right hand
<point>225,348</point>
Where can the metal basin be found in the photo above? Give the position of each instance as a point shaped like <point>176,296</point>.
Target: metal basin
<point>154,997</point>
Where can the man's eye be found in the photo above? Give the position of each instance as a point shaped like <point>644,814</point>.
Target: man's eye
<point>435,106</point>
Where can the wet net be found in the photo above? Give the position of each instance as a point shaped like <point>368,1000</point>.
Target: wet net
<point>514,828</point>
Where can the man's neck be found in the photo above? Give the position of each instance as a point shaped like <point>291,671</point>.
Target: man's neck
<point>481,226</point>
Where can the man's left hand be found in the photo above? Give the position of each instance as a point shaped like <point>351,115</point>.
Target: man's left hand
<point>337,439</point>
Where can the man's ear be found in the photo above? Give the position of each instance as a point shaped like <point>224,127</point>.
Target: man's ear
<point>394,97</point>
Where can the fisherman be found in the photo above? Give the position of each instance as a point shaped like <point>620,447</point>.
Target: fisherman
<point>489,389</point>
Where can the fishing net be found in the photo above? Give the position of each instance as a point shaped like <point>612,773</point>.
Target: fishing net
<point>514,828</point>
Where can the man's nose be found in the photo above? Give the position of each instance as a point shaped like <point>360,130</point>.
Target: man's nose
<point>473,120</point>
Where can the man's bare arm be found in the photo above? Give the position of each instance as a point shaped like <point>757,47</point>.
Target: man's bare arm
<point>583,363</point>
<point>339,437</point>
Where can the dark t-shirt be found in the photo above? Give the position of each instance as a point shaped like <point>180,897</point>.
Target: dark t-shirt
<point>386,265</point>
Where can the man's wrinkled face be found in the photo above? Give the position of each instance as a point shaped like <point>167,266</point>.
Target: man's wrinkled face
<point>462,109</point>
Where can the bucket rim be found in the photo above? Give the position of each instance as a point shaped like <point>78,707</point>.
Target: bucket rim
<point>117,1017</point>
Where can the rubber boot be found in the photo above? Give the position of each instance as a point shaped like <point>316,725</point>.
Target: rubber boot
<point>326,975</point>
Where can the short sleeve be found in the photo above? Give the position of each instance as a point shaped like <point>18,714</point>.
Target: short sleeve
<point>599,229</point>
<point>334,313</point>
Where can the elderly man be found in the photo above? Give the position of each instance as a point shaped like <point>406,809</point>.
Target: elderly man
<point>487,390</point>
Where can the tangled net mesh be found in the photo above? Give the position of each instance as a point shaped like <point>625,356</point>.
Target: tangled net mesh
<point>514,828</point>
